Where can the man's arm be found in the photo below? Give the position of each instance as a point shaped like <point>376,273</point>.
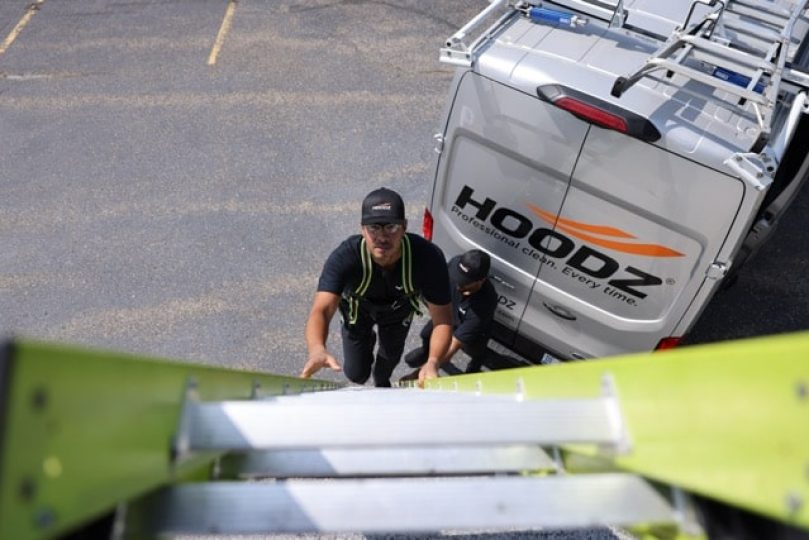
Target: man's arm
<point>440,340</point>
<point>454,347</point>
<point>323,309</point>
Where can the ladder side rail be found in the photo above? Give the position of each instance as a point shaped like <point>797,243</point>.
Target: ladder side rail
<point>75,429</point>
<point>774,87</point>
<point>786,34</point>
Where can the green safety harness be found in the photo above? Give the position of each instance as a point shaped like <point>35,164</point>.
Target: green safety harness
<point>353,299</point>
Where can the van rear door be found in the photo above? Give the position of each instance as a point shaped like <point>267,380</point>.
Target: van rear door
<point>502,150</point>
<point>638,231</point>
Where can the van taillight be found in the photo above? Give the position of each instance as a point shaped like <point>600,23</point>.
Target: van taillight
<point>592,114</point>
<point>599,112</point>
<point>427,225</point>
<point>668,343</point>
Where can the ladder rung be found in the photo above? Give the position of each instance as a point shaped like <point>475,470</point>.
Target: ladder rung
<point>756,31</point>
<point>387,462</point>
<point>766,6</point>
<point>723,51</point>
<point>254,425</point>
<point>774,19</point>
<point>386,395</point>
<point>710,80</point>
<point>401,505</point>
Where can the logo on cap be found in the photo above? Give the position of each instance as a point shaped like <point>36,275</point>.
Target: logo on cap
<point>383,206</point>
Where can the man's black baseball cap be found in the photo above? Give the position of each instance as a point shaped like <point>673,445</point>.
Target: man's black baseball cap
<point>471,266</point>
<point>383,205</point>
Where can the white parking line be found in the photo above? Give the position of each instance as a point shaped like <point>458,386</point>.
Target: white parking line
<point>30,11</point>
<point>223,30</point>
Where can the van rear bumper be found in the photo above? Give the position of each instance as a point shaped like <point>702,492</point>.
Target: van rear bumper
<point>529,351</point>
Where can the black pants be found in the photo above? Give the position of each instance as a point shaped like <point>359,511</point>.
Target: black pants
<point>358,348</point>
<point>477,351</point>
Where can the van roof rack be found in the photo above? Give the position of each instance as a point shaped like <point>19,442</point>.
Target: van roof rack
<point>460,51</point>
<point>702,50</point>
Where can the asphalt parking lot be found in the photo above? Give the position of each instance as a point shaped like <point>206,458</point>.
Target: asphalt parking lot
<point>158,203</point>
<point>175,172</point>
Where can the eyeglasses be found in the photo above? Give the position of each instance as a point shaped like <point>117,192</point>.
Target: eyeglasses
<point>389,228</point>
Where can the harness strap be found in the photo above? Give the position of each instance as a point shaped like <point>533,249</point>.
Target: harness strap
<point>362,288</point>
<point>407,275</point>
<point>367,273</point>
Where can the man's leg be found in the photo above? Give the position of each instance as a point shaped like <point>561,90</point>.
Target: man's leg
<point>417,357</point>
<point>477,353</point>
<point>358,350</point>
<point>391,345</point>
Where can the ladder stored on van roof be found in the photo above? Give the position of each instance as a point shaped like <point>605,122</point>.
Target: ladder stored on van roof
<point>751,74</point>
<point>98,443</point>
<point>460,51</point>
<point>704,48</point>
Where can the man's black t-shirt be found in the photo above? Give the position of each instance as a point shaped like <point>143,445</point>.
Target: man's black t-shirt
<point>472,315</point>
<point>342,273</point>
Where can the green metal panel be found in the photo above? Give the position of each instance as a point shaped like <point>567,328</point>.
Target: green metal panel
<point>81,431</point>
<point>728,421</point>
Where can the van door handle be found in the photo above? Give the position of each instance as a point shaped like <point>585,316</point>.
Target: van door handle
<point>500,280</point>
<point>560,312</point>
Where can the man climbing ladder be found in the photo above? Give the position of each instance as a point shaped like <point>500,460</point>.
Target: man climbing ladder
<point>377,278</point>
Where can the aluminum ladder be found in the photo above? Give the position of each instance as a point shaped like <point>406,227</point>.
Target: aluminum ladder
<point>461,47</point>
<point>382,460</point>
<point>710,51</point>
<point>704,439</point>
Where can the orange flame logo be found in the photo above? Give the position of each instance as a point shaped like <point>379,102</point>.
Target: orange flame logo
<point>595,234</point>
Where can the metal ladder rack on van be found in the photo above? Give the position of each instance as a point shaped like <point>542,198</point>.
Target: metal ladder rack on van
<point>460,51</point>
<point>738,69</point>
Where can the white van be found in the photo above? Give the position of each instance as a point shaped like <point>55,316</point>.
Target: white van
<point>618,160</point>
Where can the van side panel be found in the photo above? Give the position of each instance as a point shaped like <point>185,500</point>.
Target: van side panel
<point>636,234</point>
<point>502,149</point>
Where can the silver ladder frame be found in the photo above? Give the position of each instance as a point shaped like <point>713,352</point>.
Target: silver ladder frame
<point>699,41</point>
<point>379,460</point>
<point>459,51</point>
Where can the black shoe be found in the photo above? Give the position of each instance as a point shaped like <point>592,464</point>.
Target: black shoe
<point>412,376</point>
<point>473,367</point>
<point>450,369</point>
<point>416,357</point>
